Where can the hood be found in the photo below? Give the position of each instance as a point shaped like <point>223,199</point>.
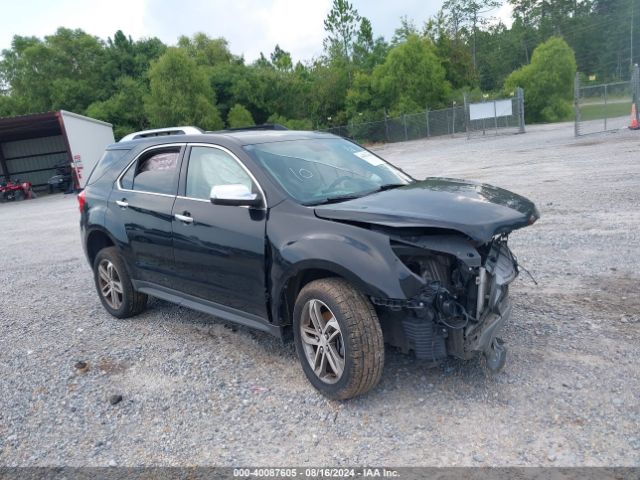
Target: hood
<point>479,211</point>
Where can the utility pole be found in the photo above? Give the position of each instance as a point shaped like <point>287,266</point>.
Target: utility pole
<point>631,37</point>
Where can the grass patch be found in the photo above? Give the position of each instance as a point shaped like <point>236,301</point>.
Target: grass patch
<point>597,111</point>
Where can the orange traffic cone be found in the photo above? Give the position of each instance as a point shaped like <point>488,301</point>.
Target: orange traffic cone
<point>634,118</point>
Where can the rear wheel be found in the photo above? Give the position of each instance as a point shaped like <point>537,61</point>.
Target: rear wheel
<point>114,285</point>
<point>338,339</point>
<point>19,195</point>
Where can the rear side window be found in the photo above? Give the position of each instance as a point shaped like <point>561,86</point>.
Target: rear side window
<point>154,172</point>
<point>109,159</point>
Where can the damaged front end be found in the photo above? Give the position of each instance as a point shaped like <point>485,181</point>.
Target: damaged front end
<point>463,303</point>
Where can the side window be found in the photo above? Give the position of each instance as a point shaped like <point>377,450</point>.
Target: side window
<point>209,167</point>
<point>155,172</point>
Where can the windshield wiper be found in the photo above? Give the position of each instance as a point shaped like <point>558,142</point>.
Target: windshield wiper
<point>352,196</point>
<point>336,199</point>
<point>389,186</point>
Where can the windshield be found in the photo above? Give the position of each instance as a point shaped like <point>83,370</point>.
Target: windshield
<point>315,171</point>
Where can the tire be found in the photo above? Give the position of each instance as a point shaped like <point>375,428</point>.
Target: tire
<point>357,347</point>
<point>114,285</point>
<point>19,195</point>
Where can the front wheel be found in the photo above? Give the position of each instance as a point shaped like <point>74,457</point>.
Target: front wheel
<point>338,339</point>
<point>114,285</point>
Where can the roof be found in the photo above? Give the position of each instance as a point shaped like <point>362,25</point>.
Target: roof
<point>239,137</point>
<point>34,125</point>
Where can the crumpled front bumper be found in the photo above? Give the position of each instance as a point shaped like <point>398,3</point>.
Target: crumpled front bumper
<point>479,336</point>
<point>494,308</point>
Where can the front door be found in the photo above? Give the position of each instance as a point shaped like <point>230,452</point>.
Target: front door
<point>219,250</point>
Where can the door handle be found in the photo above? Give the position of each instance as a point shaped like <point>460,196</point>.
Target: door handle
<point>184,218</point>
<point>122,203</point>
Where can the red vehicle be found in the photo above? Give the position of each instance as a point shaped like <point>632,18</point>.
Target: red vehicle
<point>15,190</point>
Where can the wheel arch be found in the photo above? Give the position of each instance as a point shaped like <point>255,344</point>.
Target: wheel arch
<point>96,240</point>
<point>304,273</point>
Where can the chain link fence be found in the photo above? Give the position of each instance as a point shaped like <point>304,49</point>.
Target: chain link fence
<point>605,107</point>
<point>481,118</point>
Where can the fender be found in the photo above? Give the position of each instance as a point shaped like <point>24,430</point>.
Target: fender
<point>361,256</point>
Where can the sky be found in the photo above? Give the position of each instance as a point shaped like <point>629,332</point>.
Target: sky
<point>250,26</point>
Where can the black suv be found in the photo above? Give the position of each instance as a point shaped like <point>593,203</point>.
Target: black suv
<point>306,236</point>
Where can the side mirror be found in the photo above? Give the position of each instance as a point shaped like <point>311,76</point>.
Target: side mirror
<point>236,195</point>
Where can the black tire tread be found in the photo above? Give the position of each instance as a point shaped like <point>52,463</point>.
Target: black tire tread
<point>363,328</point>
<point>134,302</point>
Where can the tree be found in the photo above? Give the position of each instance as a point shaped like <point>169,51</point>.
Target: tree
<point>281,59</point>
<point>470,12</point>
<point>239,117</point>
<point>341,25</point>
<point>125,108</point>
<point>61,71</point>
<point>411,78</point>
<point>406,29</point>
<point>453,52</point>
<point>367,50</point>
<point>180,93</point>
<point>126,58</point>
<point>547,81</point>
<point>206,51</point>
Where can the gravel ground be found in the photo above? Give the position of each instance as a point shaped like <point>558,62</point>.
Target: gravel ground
<point>198,392</point>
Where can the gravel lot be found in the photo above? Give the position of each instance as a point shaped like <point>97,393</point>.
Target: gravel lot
<point>198,392</point>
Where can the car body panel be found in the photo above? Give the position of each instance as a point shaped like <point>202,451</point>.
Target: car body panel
<point>146,236</point>
<point>477,210</point>
<point>298,241</point>
<point>220,256</point>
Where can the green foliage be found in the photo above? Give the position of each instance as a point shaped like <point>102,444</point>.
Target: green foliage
<point>206,51</point>
<point>125,108</point>
<point>140,84</point>
<point>61,71</point>
<point>291,123</point>
<point>239,117</point>
<point>180,93</point>
<point>411,78</point>
<point>547,81</point>
<point>281,59</point>
<point>341,26</point>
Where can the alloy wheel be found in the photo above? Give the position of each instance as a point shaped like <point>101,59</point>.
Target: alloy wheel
<point>110,284</point>
<point>322,341</point>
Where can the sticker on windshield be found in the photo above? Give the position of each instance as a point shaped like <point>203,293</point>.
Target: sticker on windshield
<point>369,158</point>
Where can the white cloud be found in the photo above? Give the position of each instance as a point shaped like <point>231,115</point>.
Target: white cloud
<point>250,26</point>
<point>295,25</point>
<point>104,18</point>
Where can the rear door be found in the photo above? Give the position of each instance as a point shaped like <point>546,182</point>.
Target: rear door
<point>219,250</point>
<point>142,202</point>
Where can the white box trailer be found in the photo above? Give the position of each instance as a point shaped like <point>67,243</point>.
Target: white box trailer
<point>36,147</point>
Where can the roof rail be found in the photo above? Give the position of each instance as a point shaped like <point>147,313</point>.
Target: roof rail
<point>264,126</point>
<point>157,132</point>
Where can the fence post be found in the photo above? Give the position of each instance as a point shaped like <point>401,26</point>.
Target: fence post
<point>520,93</point>
<point>466,113</point>
<point>495,116</point>
<point>635,90</point>
<point>386,126</point>
<point>453,118</point>
<point>427,113</point>
<point>605,107</point>
<point>404,122</point>
<point>576,103</point>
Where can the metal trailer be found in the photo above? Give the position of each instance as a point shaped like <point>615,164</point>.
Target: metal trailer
<point>33,147</point>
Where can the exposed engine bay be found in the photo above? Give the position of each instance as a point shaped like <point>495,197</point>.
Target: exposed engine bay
<point>463,304</point>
